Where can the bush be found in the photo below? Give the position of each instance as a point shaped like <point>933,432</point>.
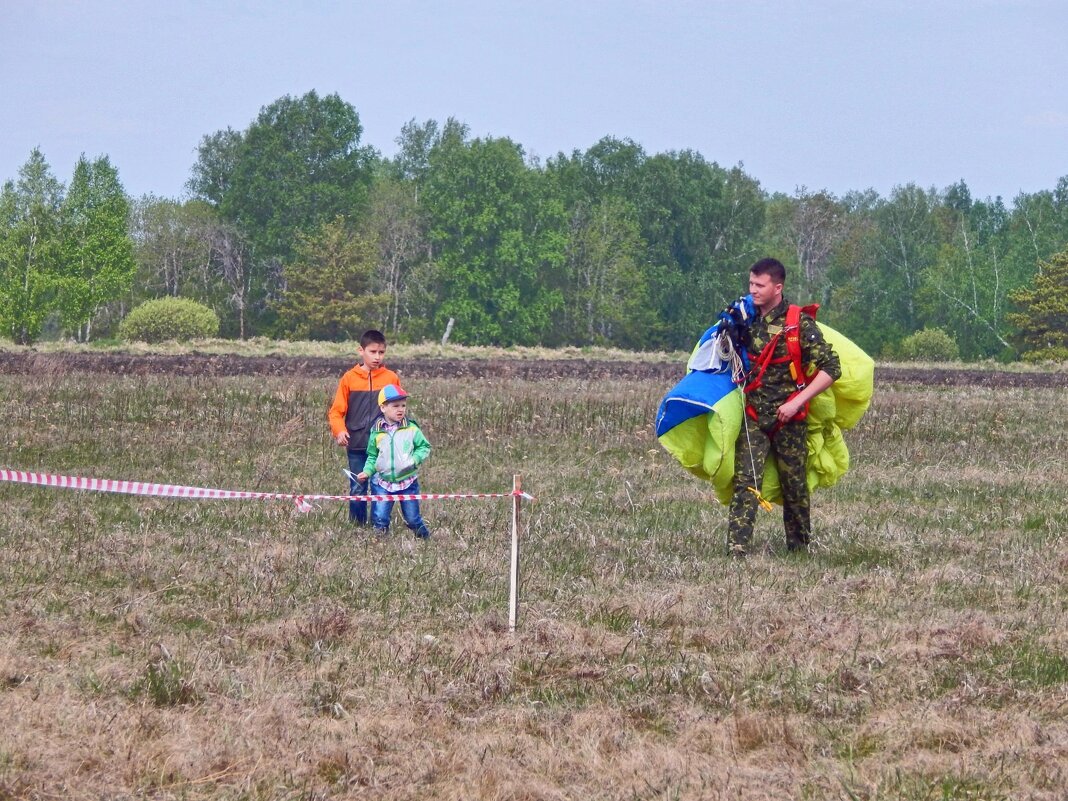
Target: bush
<point>169,318</point>
<point>929,345</point>
<point>1054,353</point>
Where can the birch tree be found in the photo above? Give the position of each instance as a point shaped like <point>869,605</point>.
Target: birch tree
<point>29,248</point>
<point>397,223</point>
<point>607,295</point>
<point>172,247</point>
<point>97,264</point>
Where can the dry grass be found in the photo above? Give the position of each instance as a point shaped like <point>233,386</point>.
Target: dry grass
<point>219,650</point>
<point>262,346</point>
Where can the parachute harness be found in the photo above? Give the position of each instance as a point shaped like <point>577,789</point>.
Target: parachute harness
<point>760,365</point>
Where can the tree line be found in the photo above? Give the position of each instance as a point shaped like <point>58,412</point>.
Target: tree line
<point>294,228</point>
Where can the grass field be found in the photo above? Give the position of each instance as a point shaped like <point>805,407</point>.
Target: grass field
<point>166,649</point>
<point>262,346</point>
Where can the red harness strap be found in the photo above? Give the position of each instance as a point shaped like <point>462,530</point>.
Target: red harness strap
<point>792,332</point>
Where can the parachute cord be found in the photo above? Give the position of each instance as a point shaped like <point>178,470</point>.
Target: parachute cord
<point>728,354</point>
<point>765,504</point>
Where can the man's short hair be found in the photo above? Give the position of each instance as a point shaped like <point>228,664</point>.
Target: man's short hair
<point>773,268</point>
<point>372,335</point>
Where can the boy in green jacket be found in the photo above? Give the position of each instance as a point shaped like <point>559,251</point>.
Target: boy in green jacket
<point>395,449</point>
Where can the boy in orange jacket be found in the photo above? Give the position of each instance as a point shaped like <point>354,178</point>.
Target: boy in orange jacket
<point>355,408</point>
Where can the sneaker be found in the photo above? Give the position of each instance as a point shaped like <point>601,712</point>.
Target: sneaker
<point>738,551</point>
<point>381,532</point>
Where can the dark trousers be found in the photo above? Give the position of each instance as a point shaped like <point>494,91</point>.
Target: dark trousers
<point>789,447</point>
<point>357,509</point>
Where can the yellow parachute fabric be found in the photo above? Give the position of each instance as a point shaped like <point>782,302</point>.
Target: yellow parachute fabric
<point>834,410</point>
<point>705,444</point>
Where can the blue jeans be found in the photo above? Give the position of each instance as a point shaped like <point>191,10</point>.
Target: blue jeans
<point>382,511</point>
<point>357,509</point>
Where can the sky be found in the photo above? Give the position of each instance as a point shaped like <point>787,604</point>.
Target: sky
<point>819,94</point>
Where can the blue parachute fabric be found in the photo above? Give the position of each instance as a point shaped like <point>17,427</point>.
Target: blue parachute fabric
<point>695,394</point>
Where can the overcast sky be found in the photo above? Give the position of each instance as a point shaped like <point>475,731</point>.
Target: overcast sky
<point>829,95</point>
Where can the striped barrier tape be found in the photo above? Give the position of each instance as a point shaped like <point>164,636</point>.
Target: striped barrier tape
<point>208,493</point>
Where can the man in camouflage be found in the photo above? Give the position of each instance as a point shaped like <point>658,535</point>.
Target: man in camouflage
<point>776,402</point>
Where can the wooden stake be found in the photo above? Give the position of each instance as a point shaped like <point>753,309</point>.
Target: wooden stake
<point>513,595</point>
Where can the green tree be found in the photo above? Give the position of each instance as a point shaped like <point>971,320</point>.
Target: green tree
<point>298,165</point>
<point>416,140</point>
<point>213,173</point>
<point>966,289</point>
<point>805,231</point>
<point>328,285</point>
<point>1038,226</point>
<point>852,268</point>
<point>96,252</point>
<point>172,248</point>
<point>699,223</point>
<point>399,218</point>
<point>499,235</point>
<point>611,168</point>
<point>1042,322</point>
<point>888,248</point>
<point>235,269</point>
<point>29,248</point>
<point>702,224</point>
<point>397,222</point>
<point>908,243</point>
<point>607,298</point>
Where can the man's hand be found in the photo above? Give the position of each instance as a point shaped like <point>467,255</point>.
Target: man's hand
<point>361,476</point>
<point>789,410</point>
<point>342,438</point>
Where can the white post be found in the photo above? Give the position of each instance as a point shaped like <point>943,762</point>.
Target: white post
<point>513,595</point>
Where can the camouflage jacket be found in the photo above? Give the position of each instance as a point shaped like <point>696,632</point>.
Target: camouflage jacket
<point>777,384</point>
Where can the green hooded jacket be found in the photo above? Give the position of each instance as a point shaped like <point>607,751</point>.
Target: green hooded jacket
<point>395,454</point>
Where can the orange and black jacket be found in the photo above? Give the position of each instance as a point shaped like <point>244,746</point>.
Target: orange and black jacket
<point>355,404</point>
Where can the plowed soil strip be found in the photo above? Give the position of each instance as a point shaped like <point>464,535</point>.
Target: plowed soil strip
<point>532,370</point>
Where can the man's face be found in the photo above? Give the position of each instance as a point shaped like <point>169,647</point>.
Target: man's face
<point>765,291</point>
<point>373,355</point>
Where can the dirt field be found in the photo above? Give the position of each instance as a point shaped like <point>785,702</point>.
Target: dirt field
<point>164,649</point>
<point>213,364</point>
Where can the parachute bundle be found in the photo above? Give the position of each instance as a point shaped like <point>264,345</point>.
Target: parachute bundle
<point>700,418</point>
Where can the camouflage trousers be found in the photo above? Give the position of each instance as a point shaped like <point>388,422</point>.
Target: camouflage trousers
<point>789,447</point>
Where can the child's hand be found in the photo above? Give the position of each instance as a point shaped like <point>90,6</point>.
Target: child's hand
<point>342,438</point>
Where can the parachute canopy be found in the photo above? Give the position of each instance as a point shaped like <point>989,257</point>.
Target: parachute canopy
<point>700,419</point>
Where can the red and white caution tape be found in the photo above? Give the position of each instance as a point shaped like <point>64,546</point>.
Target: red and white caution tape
<point>208,493</point>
